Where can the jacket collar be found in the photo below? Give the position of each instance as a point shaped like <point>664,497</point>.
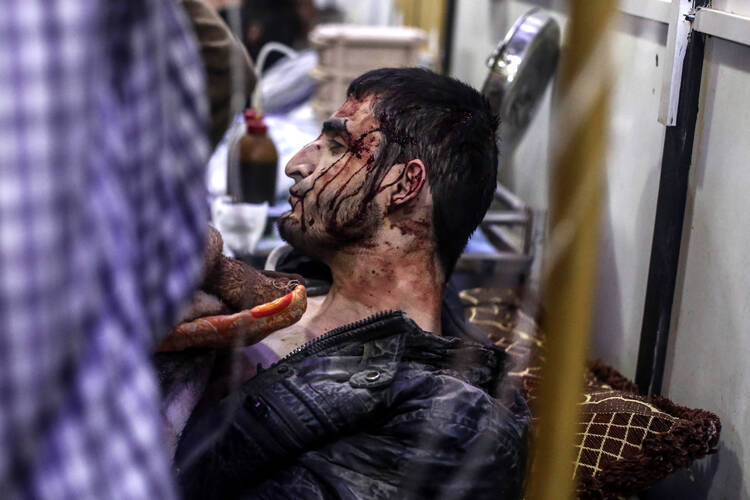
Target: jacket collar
<point>390,336</point>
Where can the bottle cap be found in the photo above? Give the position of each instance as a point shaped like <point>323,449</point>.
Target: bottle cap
<point>254,122</point>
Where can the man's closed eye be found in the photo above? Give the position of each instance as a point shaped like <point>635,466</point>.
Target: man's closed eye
<point>334,145</point>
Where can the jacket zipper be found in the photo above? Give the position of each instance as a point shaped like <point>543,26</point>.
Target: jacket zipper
<point>337,334</point>
<point>315,345</point>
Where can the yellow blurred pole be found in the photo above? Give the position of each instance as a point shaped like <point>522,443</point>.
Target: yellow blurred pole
<point>572,257</point>
<point>429,15</point>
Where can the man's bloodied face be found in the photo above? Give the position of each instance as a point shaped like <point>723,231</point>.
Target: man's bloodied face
<point>334,198</point>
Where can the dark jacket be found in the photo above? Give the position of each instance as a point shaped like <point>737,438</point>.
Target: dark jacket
<point>374,409</point>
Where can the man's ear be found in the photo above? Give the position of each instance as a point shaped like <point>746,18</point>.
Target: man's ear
<point>409,183</point>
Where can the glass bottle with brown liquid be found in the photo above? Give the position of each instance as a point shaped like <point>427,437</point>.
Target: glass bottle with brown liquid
<point>254,179</point>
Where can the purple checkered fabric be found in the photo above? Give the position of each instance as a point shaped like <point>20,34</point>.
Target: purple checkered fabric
<point>102,216</point>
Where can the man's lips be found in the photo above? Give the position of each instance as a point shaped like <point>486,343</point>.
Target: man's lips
<point>296,192</point>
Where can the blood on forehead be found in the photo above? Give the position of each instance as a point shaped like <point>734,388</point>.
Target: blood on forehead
<point>358,114</point>
<point>354,105</point>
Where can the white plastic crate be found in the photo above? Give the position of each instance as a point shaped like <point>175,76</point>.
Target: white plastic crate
<point>346,51</point>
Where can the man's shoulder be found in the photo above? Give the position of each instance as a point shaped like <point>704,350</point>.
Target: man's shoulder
<point>454,381</point>
<point>449,396</point>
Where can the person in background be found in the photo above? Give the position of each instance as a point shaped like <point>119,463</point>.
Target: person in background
<point>229,71</point>
<point>102,223</point>
<point>283,21</point>
<point>104,122</point>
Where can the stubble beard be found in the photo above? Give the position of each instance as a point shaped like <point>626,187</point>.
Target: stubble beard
<point>321,241</point>
<point>291,231</point>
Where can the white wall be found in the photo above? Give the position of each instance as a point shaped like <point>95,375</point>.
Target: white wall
<point>708,364</point>
<point>741,7</point>
<point>633,164</point>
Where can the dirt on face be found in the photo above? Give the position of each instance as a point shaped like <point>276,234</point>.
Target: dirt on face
<point>333,197</point>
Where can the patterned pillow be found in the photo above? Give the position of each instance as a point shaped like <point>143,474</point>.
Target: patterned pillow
<point>627,442</point>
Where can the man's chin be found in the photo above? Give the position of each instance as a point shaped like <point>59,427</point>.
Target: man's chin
<point>317,243</point>
<point>288,226</point>
<point>291,231</point>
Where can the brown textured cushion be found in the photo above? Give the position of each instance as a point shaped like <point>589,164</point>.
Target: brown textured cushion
<point>627,442</point>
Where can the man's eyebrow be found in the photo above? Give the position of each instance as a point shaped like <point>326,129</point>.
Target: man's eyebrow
<point>335,126</point>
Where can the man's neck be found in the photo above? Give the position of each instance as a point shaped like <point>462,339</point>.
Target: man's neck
<point>394,273</point>
<point>399,270</point>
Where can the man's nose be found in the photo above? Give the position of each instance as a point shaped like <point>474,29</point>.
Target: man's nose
<point>304,162</point>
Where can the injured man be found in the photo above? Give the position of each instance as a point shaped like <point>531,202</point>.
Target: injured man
<point>372,394</point>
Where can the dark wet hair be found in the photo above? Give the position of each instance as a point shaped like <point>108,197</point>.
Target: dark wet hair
<point>451,128</point>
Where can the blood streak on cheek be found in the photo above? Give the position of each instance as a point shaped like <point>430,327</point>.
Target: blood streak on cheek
<point>341,188</point>
<point>304,194</point>
<point>331,179</point>
<point>358,149</point>
<point>358,146</point>
<point>338,200</point>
